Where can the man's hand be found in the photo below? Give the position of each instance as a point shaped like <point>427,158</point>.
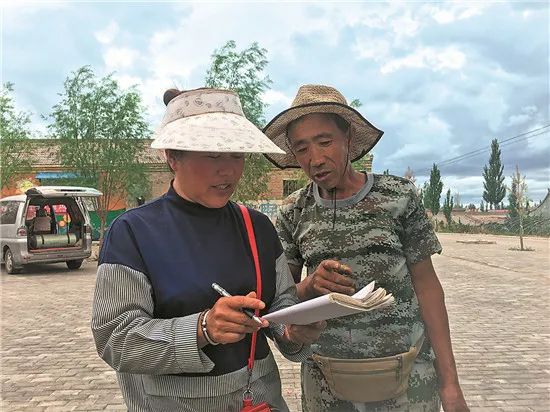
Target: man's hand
<point>226,322</point>
<point>452,399</point>
<point>304,334</point>
<point>330,276</point>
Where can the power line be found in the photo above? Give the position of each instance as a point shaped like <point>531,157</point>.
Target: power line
<point>484,149</point>
<point>502,143</point>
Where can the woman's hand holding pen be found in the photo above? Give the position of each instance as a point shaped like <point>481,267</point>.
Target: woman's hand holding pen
<point>226,321</point>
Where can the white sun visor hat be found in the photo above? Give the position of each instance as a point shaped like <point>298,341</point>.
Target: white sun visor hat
<point>210,120</point>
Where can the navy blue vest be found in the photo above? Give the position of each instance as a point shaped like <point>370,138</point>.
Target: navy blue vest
<point>182,247</point>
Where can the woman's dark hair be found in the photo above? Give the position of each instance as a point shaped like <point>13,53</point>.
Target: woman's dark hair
<point>170,94</point>
<point>175,155</point>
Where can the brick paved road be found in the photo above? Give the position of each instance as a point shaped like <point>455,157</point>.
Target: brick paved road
<point>498,303</point>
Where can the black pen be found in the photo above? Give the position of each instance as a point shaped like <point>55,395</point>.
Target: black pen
<point>226,294</point>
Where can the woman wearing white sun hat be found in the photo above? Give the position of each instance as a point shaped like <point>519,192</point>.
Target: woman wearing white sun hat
<point>175,343</point>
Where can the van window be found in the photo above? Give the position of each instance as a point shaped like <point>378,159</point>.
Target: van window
<point>31,212</point>
<point>8,212</point>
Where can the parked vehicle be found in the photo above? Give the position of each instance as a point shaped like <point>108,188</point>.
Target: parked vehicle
<point>45,225</point>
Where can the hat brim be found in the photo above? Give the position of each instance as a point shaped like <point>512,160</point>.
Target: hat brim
<point>214,132</point>
<point>364,135</point>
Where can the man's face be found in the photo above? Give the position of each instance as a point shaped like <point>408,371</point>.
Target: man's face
<point>320,148</point>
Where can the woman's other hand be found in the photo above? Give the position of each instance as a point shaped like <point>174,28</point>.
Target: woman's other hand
<point>226,322</point>
<point>304,334</point>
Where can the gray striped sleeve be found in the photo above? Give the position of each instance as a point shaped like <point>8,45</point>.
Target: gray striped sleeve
<point>285,295</point>
<point>127,336</point>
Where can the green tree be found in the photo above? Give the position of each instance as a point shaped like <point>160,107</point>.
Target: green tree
<point>482,206</point>
<point>494,188</point>
<point>424,195</point>
<point>432,191</point>
<point>448,205</point>
<point>519,190</point>
<point>243,73</point>
<point>101,130</point>
<point>356,103</point>
<point>512,202</point>
<point>14,138</point>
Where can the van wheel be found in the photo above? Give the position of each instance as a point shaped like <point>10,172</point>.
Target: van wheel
<point>74,264</point>
<point>8,261</point>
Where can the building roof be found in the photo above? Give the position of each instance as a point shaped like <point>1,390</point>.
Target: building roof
<point>44,154</point>
<point>544,208</point>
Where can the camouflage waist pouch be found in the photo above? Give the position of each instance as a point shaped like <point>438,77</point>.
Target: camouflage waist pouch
<point>369,380</point>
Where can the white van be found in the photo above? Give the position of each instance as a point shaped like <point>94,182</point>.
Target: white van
<point>45,225</point>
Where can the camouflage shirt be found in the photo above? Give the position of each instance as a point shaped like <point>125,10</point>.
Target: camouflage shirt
<point>379,232</point>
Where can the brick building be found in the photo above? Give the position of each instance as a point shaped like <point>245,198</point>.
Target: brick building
<point>46,170</point>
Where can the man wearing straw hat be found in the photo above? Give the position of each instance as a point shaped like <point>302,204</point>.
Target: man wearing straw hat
<point>349,228</point>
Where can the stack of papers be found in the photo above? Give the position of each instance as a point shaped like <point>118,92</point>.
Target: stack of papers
<point>332,305</point>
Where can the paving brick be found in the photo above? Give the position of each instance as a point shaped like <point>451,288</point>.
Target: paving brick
<point>497,299</point>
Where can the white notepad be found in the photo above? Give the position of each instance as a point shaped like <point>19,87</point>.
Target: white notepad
<point>332,305</point>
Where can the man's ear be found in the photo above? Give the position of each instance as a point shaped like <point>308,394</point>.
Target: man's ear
<point>349,134</point>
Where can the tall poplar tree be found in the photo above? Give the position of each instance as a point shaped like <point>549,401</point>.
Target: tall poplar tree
<point>432,191</point>
<point>448,205</point>
<point>493,185</point>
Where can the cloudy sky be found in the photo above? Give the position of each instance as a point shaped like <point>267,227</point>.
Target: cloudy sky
<point>442,79</point>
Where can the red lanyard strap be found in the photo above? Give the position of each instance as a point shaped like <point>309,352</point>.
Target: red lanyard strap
<point>254,249</point>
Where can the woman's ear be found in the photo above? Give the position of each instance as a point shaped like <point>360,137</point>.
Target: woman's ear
<point>171,160</point>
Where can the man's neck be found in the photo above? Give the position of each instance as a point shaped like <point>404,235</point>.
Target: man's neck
<point>350,184</point>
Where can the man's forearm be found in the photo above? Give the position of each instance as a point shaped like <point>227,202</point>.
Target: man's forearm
<point>434,314</point>
<point>431,300</point>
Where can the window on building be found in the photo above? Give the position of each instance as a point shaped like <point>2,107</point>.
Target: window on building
<point>290,186</point>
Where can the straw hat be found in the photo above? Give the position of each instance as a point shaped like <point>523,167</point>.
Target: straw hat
<point>209,120</point>
<point>313,98</point>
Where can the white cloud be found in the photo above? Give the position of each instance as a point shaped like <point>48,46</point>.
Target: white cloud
<point>527,113</point>
<point>467,187</point>
<point>421,136</point>
<point>125,81</point>
<point>120,58</point>
<point>539,142</point>
<point>428,57</point>
<point>450,12</point>
<point>107,34</point>
<point>405,26</point>
<point>276,97</point>
<point>490,105</point>
<point>371,48</point>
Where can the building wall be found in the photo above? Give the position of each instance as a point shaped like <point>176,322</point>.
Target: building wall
<point>276,179</point>
<point>160,182</point>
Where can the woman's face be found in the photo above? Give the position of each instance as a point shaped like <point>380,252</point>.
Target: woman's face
<point>207,178</point>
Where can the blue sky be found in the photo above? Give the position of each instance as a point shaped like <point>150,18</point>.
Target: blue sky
<point>442,79</point>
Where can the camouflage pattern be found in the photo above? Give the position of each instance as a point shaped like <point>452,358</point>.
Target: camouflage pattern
<point>377,234</point>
